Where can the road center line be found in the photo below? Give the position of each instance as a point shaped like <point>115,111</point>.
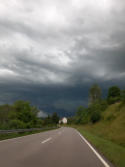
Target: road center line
<point>46,140</point>
<point>97,154</point>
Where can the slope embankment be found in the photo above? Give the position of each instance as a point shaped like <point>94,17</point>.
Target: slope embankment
<point>108,135</point>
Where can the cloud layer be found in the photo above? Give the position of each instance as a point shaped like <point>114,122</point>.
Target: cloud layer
<point>64,43</point>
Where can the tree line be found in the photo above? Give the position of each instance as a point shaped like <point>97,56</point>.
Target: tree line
<point>22,114</point>
<point>97,104</point>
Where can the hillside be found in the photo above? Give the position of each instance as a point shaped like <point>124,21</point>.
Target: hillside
<point>112,124</point>
<point>108,134</point>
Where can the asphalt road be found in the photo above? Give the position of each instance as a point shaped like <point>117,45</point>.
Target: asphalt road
<point>62,147</point>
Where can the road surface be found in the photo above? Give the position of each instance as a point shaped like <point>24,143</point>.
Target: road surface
<point>63,147</point>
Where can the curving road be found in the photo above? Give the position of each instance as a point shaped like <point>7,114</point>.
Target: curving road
<point>63,147</point>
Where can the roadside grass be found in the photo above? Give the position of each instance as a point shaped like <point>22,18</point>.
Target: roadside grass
<point>113,152</point>
<point>19,134</point>
<point>111,126</point>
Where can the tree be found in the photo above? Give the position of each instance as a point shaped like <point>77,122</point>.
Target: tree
<point>94,93</point>
<point>123,96</point>
<point>24,111</point>
<point>114,94</point>
<point>80,111</point>
<point>16,124</point>
<point>47,120</point>
<point>22,114</point>
<point>55,118</point>
<point>4,116</point>
<point>4,111</point>
<point>81,116</point>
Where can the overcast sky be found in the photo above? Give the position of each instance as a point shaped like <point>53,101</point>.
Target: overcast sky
<point>51,51</point>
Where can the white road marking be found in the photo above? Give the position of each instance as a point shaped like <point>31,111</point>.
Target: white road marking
<point>16,138</point>
<point>20,137</point>
<point>97,154</point>
<point>46,140</point>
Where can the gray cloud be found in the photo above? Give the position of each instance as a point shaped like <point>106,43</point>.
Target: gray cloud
<point>62,43</point>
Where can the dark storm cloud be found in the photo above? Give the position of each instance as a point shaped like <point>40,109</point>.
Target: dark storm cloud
<point>67,44</point>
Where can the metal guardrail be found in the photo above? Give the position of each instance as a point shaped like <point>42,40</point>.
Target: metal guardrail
<point>24,130</point>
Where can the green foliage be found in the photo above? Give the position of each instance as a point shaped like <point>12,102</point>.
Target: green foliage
<point>51,120</point>
<point>91,114</point>
<point>123,96</point>
<point>80,111</point>
<point>110,129</point>
<point>19,115</point>
<point>103,105</point>
<point>107,130</point>
<point>110,117</point>
<point>95,110</point>
<point>48,121</point>
<point>4,113</point>
<point>39,123</point>
<point>24,111</point>
<point>55,118</point>
<point>81,116</point>
<point>16,124</point>
<point>97,106</point>
<point>114,95</point>
<point>95,117</point>
<point>71,120</point>
<point>94,93</point>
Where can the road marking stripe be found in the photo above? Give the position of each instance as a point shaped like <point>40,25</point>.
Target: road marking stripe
<point>97,154</point>
<point>12,139</point>
<point>20,137</point>
<point>46,140</point>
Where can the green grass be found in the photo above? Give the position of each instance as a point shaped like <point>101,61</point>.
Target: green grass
<point>108,135</point>
<point>19,134</point>
<point>113,152</point>
<point>111,126</point>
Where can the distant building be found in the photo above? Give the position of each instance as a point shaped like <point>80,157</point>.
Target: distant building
<point>63,120</point>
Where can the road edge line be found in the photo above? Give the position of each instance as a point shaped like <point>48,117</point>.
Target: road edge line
<point>96,153</point>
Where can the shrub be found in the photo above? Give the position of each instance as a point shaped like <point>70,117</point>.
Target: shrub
<point>16,124</point>
<point>114,95</point>
<point>110,117</point>
<point>95,117</point>
<point>123,96</point>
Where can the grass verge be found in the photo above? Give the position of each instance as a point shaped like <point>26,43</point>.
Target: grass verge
<point>19,134</point>
<point>112,151</point>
